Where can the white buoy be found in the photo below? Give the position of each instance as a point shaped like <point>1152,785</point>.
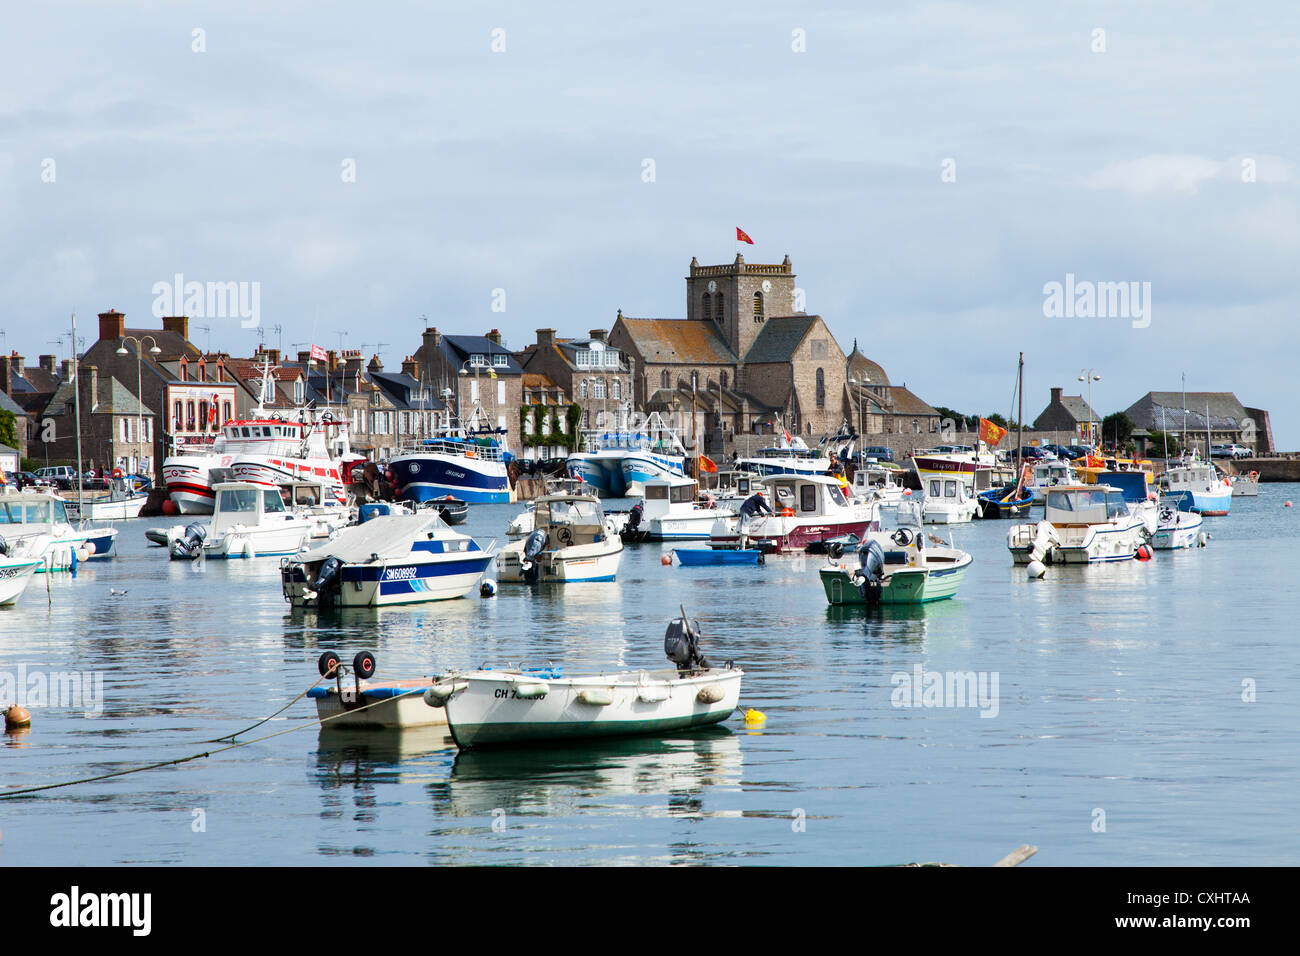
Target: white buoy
<point>1036,569</point>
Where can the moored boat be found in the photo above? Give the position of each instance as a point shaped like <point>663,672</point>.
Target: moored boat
<point>671,511</point>
<point>946,499</point>
<point>249,521</point>
<point>513,707</point>
<point>36,525</point>
<point>1176,527</point>
<point>571,541</point>
<point>470,467</point>
<point>897,567</point>
<point>385,560</point>
<point>1083,524</point>
<point>809,510</point>
<point>1245,485</point>
<point>15,574</point>
<point>1209,492</point>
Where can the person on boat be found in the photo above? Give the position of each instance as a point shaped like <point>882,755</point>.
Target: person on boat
<point>755,504</point>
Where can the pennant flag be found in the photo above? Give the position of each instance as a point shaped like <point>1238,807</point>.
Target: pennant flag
<point>990,433</point>
<point>212,410</point>
<point>318,354</point>
<point>741,237</point>
<point>707,465</point>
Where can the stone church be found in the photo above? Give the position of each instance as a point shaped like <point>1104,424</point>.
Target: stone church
<point>746,357</point>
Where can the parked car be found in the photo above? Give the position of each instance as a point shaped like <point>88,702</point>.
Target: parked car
<point>29,480</point>
<point>1028,452</point>
<point>62,476</point>
<point>878,452</point>
<point>1230,451</point>
<point>1060,451</point>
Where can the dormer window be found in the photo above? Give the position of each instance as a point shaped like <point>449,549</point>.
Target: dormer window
<point>499,360</point>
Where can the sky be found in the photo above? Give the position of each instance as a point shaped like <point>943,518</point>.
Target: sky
<point>928,167</point>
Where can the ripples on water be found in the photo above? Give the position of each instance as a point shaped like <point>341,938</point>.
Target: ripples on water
<point>1120,689</point>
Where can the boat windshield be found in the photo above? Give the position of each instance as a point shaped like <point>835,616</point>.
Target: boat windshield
<point>242,500</point>
<point>837,496</point>
<point>683,493</point>
<point>656,492</point>
<point>568,513</point>
<point>271,501</point>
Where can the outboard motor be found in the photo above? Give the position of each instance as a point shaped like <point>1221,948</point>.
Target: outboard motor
<point>327,578</point>
<point>533,546</point>
<point>634,516</point>
<point>190,545</point>
<point>682,644</point>
<point>872,570</point>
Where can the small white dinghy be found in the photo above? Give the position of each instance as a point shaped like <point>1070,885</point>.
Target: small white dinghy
<point>505,707</point>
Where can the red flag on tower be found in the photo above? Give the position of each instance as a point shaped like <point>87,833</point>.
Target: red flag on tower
<point>741,237</point>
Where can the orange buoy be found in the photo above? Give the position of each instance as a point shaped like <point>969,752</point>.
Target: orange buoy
<point>169,507</point>
<point>1287,505</point>
<point>666,560</point>
<point>1143,552</point>
<point>16,717</point>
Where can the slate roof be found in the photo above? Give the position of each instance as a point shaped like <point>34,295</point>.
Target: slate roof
<point>679,341</point>
<point>859,364</point>
<point>780,337</point>
<point>904,402</point>
<point>1163,411</point>
<point>463,346</point>
<point>403,391</point>
<point>9,405</point>
<point>111,398</point>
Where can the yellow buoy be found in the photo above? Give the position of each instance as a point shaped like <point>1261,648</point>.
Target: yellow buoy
<point>754,718</point>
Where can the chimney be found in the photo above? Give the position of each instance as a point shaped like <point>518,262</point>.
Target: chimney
<point>304,357</point>
<point>432,339</point>
<point>410,367</point>
<point>375,364</point>
<point>1056,396</point>
<point>6,378</point>
<point>180,324</point>
<point>494,336</point>
<point>112,325</point>
<point>352,357</point>
<point>273,355</point>
<point>599,334</point>
<point>545,338</point>
<point>48,363</point>
<point>66,371</point>
<point>89,384</point>
<point>333,362</point>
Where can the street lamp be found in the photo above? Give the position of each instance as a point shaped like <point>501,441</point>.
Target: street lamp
<point>1090,376</point>
<point>861,426</point>
<point>139,392</point>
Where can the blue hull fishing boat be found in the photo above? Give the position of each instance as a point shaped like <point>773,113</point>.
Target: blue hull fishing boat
<point>1006,502</point>
<point>471,469</point>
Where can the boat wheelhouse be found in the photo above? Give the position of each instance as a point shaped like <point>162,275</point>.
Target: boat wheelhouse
<point>248,521</point>
<point>1209,492</point>
<point>36,525</point>
<point>671,511</point>
<point>810,510</point>
<point>470,467</point>
<point>1083,524</point>
<point>570,541</point>
<point>946,499</point>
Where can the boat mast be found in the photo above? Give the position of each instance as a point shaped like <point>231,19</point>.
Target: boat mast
<point>1020,419</point>
<point>76,391</point>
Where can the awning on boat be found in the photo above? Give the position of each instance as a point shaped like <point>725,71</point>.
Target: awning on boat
<point>388,536</point>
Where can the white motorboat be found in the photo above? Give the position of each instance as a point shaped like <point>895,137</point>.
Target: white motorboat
<point>121,502</point>
<point>1245,486</point>
<point>1083,524</point>
<point>315,502</point>
<point>671,511</point>
<point>15,574</point>
<point>1050,473</point>
<point>972,465</point>
<point>521,525</point>
<point>876,480</point>
<point>571,541</point>
<point>1176,528</point>
<point>249,521</point>
<point>809,511</point>
<point>791,457</point>
<point>36,526</point>
<point>505,707</point>
<point>385,560</point>
<point>728,489</point>
<point>946,500</point>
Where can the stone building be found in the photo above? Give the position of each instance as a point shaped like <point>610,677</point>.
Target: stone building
<point>879,408</point>
<point>1068,413</point>
<point>1228,422</point>
<point>116,430</point>
<point>748,346</point>
<point>478,377</point>
<point>594,373</point>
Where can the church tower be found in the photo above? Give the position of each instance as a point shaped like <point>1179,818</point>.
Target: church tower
<point>739,298</point>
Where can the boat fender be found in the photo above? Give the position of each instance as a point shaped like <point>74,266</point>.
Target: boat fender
<point>89,548</point>
<point>667,559</point>
<point>487,589</point>
<point>530,691</point>
<point>602,697</point>
<point>1202,539</point>
<point>709,694</point>
<point>82,553</point>
<point>438,694</point>
<point>652,693</point>
<point>1036,570</point>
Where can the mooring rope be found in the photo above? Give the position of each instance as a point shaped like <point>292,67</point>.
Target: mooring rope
<point>7,794</point>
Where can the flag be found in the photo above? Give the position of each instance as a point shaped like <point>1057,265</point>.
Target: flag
<point>318,354</point>
<point>707,465</point>
<point>787,436</point>
<point>212,410</point>
<point>492,373</point>
<point>741,237</point>
<point>990,433</point>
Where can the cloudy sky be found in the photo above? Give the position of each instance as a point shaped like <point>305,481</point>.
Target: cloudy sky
<point>928,167</point>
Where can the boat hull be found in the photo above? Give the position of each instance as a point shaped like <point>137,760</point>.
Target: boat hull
<point>423,478</point>
<point>390,705</point>
<point>394,583</point>
<point>564,566</point>
<point>15,575</point>
<point>903,586</point>
<point>639,467</point>
<point>489,711</point>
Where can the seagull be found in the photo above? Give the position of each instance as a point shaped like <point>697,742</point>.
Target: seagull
<point>116,593</point>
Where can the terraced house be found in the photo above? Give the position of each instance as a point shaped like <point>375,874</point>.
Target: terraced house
<point>590,371</point>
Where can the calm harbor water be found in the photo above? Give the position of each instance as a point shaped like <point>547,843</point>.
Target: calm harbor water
<point>1119,689</point>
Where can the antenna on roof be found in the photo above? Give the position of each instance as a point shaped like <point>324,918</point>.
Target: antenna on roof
<point>207,342</point>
